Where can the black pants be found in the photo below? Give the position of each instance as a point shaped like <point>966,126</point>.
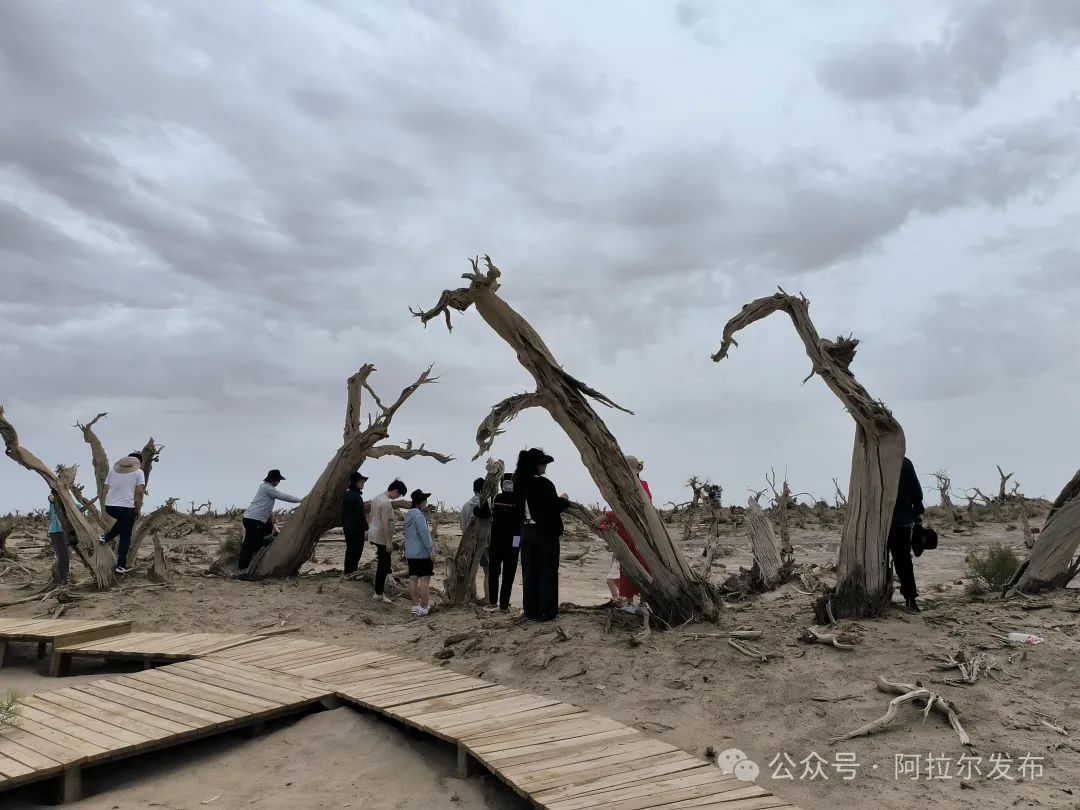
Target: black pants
<point>900,549</point>
<point>256,535</point>
<point>354,549</point>
<point>125,522</point>
<point>539,573</point>
<point>382,568</point>
<point>502,562</point>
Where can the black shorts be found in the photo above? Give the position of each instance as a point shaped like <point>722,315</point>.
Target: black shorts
<point>423,567</point>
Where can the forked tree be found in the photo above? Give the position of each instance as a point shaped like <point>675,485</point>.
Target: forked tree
<point>320,510</point>
<point>862,575</point>
<point>97,557</point>
<point>1053,562</point>
<point>675,592</point>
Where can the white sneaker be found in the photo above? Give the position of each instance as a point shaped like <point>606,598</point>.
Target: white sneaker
<point>121,570</point>
<point>415,610</point>
<point>378,597</point>
<point>422,611</point>
<point>102,539</point>
<point>491,608</point>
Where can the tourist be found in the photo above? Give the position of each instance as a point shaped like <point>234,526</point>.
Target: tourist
<point>125,487</point>
<point>259,517</point>
<point>504,547</point>
<point>381,535</point>
<point>908,512</point>
<point>354,522</point>
<point>625,590</point>
<point>540,535</point>
<point>419,553</point>
<point>60,545</point>
<point>474,508</point>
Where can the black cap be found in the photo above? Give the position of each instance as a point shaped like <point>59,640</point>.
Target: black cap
<point>356,476</point>
<point>419,496</point>
<point>137,454</point>
<point>275,475</point>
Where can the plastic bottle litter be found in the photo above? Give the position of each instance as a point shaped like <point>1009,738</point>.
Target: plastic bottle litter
<point>1024,638</point>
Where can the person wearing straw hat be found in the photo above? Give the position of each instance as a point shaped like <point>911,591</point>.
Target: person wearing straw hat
<point>125,487</point>
<point>419,552</point>
<point>354,522</point>
<point>258,518</point>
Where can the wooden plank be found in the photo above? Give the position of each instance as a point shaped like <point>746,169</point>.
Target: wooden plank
<point>266,648</point>
<point>518,756</point>
<point>504,706</point>
<point>80,747</point>
<point>298,688</point>
<point>28,756</point>
<point>708,782</point>
<point>117,628</point>
<point>129,711</point>
<point>349,662</point>
<point>71,718</point>
<point>599,756</point>
<point>40,720</point>
<point>587,782</point>
<point>262,691</point>
<point>748,793</point>
<point>207,710</point>
<point>212,696</point>
<point>447,702</point>
<point>574,726</point>
<point>11,769</point>
<point>718,803</point>
<point>385,702</point>
<point>537,718</point>
<point>64,754</point>
<point>149,703</point>
<point>597,777</point>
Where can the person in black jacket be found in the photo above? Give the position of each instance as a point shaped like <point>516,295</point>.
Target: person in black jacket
<point>908,512</point>
<point>354,522</point>
<point>504,546</point>
<point>540,535</point>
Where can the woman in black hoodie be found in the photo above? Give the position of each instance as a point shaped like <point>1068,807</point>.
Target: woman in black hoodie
<point>541,531</point>
<point>505,544</point>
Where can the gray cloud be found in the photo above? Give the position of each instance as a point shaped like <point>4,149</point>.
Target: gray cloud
<point>978,44</point>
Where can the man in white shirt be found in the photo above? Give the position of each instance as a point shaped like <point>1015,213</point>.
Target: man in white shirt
<point>125,486</point>
<point>381,534</point>
<point>468,515</point>
<point>257,518</point>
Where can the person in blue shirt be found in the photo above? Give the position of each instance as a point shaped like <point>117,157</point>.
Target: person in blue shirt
<point>419,553</point>
<point>62,563</point>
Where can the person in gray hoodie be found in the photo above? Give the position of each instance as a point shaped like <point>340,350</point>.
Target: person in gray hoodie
<point>419,553</point>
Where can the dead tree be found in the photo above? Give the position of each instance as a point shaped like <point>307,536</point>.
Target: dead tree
<point>944,488</point>
<point>97,557</point>
<point>782,500</point>
<point>150,454</point>
<point>461,569</point>
<point>840,498</point>
<point>863,587</point>
<point>674,591</point>
<point>1053,562</point>
<point>149,526</point>
<point>320,510</point>
<point>768,562</point>
<point>1002,494</point>
<point>697,487</point>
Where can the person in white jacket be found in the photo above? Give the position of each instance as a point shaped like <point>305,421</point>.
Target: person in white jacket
<point>257,518</point>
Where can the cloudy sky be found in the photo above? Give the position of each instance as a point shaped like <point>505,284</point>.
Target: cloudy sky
<point>212,213</point>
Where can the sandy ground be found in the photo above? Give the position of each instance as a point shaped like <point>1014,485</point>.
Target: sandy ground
<point>693,691</point>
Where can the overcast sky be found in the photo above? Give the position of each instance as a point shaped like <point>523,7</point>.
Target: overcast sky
<point>211,214</point>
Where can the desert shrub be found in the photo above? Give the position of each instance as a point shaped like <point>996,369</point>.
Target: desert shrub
<point>9,710</point>
<point>993,569</point>
<point>230,545</point>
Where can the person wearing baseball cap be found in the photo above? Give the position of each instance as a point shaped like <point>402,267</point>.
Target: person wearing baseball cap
<point>354,522</point>
<point>258,519</point>
<point>419,553</point>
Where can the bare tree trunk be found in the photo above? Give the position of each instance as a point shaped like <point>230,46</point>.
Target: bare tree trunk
<point>1053,563</point>
<point>148,526</point>
<point>767,559</point>
<point>863,587</point>
<point>674,591</point>
<point>1002,494</point>
<point>101,467</point>
<point>97,557</point>
<point>320,510</point>
<point>461,569</point>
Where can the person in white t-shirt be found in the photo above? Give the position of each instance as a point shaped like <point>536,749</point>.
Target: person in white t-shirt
<point>125,487</point>
<point>381,534</point>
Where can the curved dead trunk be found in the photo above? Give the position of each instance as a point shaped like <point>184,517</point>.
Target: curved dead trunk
<point>97,557</point>
<point>320,510</point>
<point>674,591</point>
<point>863,587</point>
<point>1053,562</point>
<point>764,545</point>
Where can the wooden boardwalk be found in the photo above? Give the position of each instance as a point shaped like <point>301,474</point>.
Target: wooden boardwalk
<point>556,754</point>
<point>150,648</point>
<point>56,632</point>
<point>63,731</point>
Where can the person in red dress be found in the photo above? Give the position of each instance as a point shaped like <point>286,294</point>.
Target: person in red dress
<point>627,589</point>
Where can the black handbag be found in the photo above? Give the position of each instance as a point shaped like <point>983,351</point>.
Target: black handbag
<point>922,539</point>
